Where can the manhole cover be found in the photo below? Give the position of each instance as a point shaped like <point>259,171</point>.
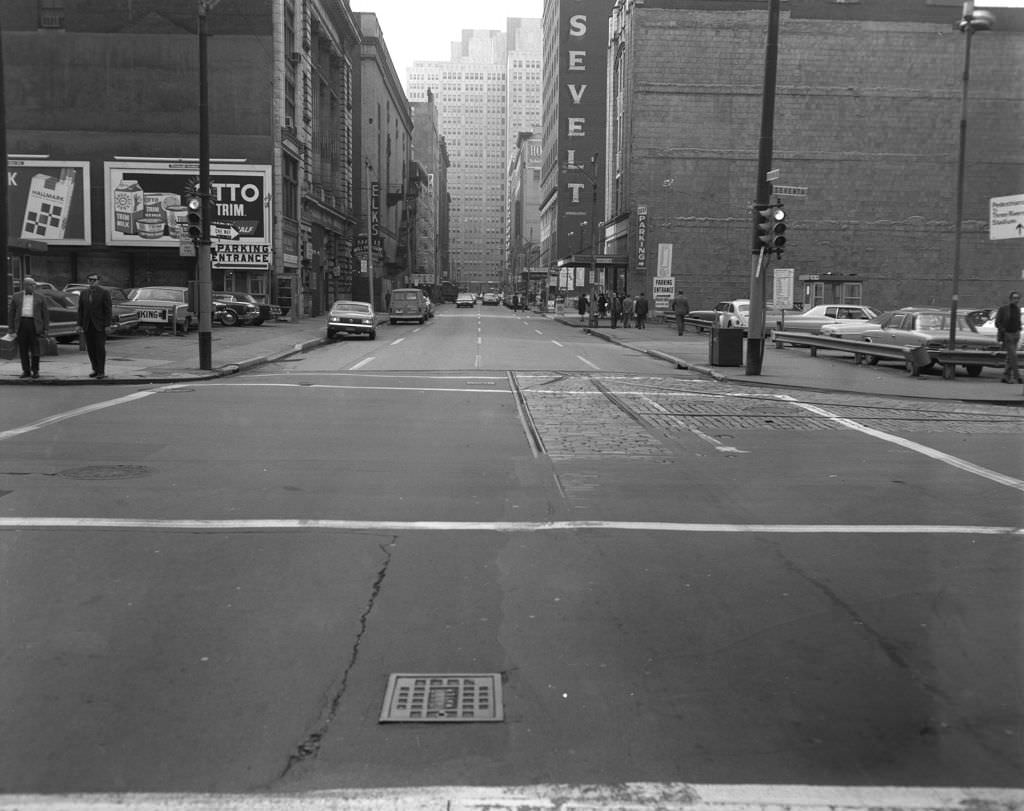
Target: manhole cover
<point>440,697</point>
<point>105,472</point>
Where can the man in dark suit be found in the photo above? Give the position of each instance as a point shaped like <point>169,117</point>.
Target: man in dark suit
<point>95,313</point>
<point>28,317</point>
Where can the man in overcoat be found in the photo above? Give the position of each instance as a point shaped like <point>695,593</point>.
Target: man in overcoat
<point>28,318</point>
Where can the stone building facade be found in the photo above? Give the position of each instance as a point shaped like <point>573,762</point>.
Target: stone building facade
<point>103,93</point>
<point>866,119</point>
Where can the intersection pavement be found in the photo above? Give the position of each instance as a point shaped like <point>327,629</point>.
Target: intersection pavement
<point>166,358</point>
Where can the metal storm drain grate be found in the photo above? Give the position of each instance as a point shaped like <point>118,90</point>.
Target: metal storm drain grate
<point>437,697</point>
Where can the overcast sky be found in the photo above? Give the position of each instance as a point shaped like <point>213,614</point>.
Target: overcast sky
<point>424,30</point>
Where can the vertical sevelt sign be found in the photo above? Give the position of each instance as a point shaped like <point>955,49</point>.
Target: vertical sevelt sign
<point>582,61</point>
<point>144,204</point>
<point>47,201</point>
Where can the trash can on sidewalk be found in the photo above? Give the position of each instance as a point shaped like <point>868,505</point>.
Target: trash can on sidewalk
<point>726,346</point>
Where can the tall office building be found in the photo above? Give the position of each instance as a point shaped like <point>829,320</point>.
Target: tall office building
<point>486,94</point>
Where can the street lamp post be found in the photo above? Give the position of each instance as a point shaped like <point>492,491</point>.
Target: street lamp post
<point>369,231</point>
<point>971,21</point>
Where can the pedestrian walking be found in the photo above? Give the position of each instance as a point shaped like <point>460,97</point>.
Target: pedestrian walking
<point>615,309</point>
<point>681,307</point>
<point>640,309</point>
<point>1008,333</point>
<point>602,304</point>
<point>581,306</point>
<point>95,314</point>
<point>28,318</point>
<point>627,310</point>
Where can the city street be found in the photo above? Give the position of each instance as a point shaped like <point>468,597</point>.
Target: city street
<point>674,579</point>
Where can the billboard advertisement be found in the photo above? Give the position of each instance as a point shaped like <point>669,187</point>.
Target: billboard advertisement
<point>47,201</point>
<point>144,203</point>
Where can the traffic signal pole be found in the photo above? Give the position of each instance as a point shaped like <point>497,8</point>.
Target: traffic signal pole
<point>762,196</point>
<point>204,281</point>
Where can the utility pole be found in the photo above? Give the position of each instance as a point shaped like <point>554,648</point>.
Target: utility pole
<point>204,286</point>
<point>762,196</point>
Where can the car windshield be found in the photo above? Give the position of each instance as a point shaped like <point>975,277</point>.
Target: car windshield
<point>61,299</point>
<point>156,294</point>
<point>351,306</point>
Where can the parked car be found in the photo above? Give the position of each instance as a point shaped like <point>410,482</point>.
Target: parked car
<point>928,327</point>
<point>351,318</point>
<point>63,314</point>
<point>266,312</point>
<point>465,300</point>
<point>492,299</point>
<point>231,310</point>
<point>988,329</point>
<point>125,316</point>
<point>408,304</point>
<point>852,330</point>
<point>814,319</point>
<point>163,306</point>
<point>734,313</point>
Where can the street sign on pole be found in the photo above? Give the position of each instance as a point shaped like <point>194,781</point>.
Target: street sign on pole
<point>790,191</point>
<point>1006,217</point>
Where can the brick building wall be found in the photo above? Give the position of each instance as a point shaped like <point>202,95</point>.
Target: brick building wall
<point>867,117</point>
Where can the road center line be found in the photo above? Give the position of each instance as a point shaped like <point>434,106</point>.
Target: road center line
<point>924,450</point>
<point>278,524</point>
<point>589,363</point>
<point>557,344</point>
<point>361,364</point>
<point>77,412</point>
<point>397,341</point>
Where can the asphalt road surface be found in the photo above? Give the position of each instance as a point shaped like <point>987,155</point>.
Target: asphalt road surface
<point>206,587</point>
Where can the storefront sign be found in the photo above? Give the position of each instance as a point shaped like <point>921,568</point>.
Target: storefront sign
<point>641,237</point>
<point>664,292</point>
<point>48,202</point>
<point>144,201</point>
<point>240,255</point>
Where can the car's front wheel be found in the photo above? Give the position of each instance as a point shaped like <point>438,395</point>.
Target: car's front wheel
<point>973,369</point>
<point>373,335</point>
<point>228,318</point>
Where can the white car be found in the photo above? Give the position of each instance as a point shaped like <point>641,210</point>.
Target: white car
<point>734,314</point>
<point>814,319</point>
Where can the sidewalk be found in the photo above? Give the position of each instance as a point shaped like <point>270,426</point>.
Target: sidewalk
<point>166,358</point>
<point>795,367</point>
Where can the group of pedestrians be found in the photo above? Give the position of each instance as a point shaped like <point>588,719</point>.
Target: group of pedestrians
<point>28,320</point>
<point>616,306</point>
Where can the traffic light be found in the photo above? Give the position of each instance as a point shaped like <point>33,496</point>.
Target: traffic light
<point>194,204</point>
<point>772,225</point>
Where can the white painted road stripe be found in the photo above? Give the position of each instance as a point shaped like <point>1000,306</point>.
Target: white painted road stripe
<point>361,364</point>
<point>397,341</point>
<point>924,450</point>
<point>622,796</point>
<point>78,412</point>
<point>249,524</point>
<point>591,365</point>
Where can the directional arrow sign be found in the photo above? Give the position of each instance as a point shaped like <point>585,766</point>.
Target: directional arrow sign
<point>1006,217</point>
<point>223,231</point>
